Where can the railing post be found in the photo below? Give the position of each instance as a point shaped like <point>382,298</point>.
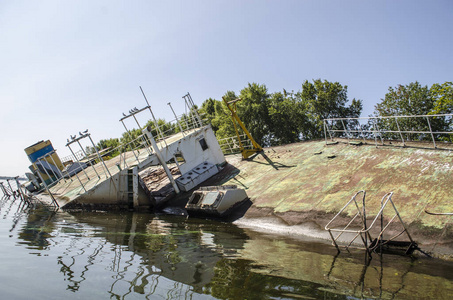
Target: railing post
<point>328,129</point>
<point>431,131</point>
<point>80,165</point>
<point>399,131</point>
<point>48,190</point>
<point>84,153</point>
<point>189,98</point>
<point>361,131</point>
<point>132,140</point>
<point>55,164</point>
<point>176,117</point>
<point>162,160</point>
<point>5,192</point>
<point>374,132</point>
<point>99,156</point>
<point>345,130</point>
<point>44,168</point>
<point>143,137</point>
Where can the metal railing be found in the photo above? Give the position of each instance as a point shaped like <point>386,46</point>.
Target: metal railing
<point>230,145</point>
<point>92,155</point>
<point>370,244</point>
<point>400,128</point>
<point>19,192</point>
<point>70,158</point>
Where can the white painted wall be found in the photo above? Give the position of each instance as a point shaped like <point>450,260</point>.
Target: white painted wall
<point>191,150</point>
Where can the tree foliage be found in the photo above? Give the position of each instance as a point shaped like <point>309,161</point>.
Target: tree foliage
<point>442,95</point>
<point>282,117</point>
<point>325,100</point>
<point>414,99</point>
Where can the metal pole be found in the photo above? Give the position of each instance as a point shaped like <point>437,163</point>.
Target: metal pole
<point>229,145</point>
<point>143,138</point>
<point>190,112</point>
<point>48,191</point>
<point>154,119</point>
<point>132,140</point>
<point>162,160</point>
<point>5,192</point>
<point>80,181</point>
<point>361,131</point>
<point>80,165</point>
<point>40,160</point>
<point>380,135</point>
<point>374,132</point>
<point>21,193</point>
<point>431,131</point>
<point>100,158</point>
<point>364,219</point>
<point>177,121</point>
<point>10,187</point>
<point>196,112</point>
<point>345,130</point>
<point>156,124</point>
<point>89,161</point>
<point>399,130</point>
<point>328,130</point>
<point>55,164</point>
<point>1,186</point>
<point>124,159</point>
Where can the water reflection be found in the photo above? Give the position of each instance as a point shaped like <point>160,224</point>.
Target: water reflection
<point>184,251</point>
<point>138,255</point>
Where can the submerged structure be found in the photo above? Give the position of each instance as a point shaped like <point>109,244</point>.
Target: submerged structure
<point>144,173</point>
<point>215,200</point>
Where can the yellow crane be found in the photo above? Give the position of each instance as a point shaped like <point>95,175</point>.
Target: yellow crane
<point>246,153</point>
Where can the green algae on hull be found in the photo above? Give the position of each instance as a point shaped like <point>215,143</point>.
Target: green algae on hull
<point>315,177</point>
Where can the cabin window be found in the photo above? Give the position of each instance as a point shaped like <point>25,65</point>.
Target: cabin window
<point>203,144</point>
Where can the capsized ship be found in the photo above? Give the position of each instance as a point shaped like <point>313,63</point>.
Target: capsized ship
<point>303,185</point>
<point>145,173</point>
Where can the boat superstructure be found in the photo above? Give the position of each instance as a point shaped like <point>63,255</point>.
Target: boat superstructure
<point>146,172</point>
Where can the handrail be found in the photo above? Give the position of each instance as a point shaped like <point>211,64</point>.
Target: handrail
<point>364,232</point>
<point>231,144</point>
<point>374,131</point>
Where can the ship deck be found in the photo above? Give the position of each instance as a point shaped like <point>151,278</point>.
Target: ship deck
<point>68,189</point>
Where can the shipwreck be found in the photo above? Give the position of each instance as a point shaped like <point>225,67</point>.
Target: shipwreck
<point>151,169</point>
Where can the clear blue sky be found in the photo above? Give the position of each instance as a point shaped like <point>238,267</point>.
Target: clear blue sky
<point>67,66</point>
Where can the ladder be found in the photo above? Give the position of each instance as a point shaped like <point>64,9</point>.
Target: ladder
<point>364,232</point>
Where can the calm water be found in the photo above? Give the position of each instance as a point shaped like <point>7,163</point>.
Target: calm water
<point>98,255</point>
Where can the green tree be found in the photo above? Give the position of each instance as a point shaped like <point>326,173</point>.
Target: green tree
<point>166,128</point>
<point>325,100</point>
<point>130,139</point>
<point>253,110</point>
<point>406,100</point>
<point>223,120</point>
<point>286,118</point>
<point>442,95</point>
<point>443,98</point>
<point>281,118</point>
<point>110,145</point>
<point>216,113</point>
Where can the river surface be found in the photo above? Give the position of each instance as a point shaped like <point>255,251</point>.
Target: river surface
<point>99,255</point>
